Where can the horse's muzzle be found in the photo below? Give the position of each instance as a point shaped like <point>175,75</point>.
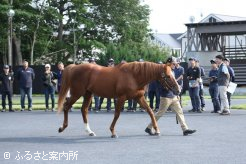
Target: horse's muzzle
<point>176,91</point>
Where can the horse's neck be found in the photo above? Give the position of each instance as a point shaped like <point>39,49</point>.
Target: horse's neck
<point>146,78</point>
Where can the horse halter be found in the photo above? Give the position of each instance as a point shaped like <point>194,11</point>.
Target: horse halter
<point>164,82</point>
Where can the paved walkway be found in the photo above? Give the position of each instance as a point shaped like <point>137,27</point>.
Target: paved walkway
<point>219,139</point>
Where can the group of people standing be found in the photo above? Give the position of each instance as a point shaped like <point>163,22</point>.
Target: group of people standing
<point>25,76</point>
<point>220,75</point>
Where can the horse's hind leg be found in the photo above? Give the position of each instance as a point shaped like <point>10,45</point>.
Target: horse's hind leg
<point>119,105</point>
<point>84,111</point>
<point>145,105</point>
<point>66,106</point>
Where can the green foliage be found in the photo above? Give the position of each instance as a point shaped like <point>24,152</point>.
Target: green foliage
<point>116,29</point>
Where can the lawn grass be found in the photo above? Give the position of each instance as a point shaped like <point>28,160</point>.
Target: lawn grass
<point>241,107</point>
<point>39,102</point>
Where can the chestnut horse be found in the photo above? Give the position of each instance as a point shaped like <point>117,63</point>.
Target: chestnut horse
<point>124,81</point>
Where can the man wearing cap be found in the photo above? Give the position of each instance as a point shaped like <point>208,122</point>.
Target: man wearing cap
<point>96,98</point>
<point>49,87</point>
<point>153,92</point>
<point>60,66</point>
<point>213,86</point>
<point>194,75</point>
<point>108,107</point>
<point>25,76</point>
<point>223,82</point>
<point>232,78</point>
<point>201,85</point>
<point>169,100</point>
<point>6,79</point>
<point>179,74</point>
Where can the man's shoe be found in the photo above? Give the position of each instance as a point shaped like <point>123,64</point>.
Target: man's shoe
<point>22,109</point>
<point>30,109</point>
<point>11,110</point>
<point>225,113</point>
<point>199,111</point>
<point>149,131</point>
<point>3,110</point>
<point>191,110</point>
<point>53,110</point>
<point>188,131</point>
<point>203,109</point>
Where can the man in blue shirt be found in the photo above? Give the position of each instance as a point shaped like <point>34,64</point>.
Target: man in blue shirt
<point>213,86</point>
<point>179,75</point>
<point>26,75</point>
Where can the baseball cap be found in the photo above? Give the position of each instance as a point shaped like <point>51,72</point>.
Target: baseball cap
<point>171,60</point>
<point>5,67</point>
<point>141,60</point>
<point>192,58</point>
<point>178,60</point>
<point>212,61</point>
<point>24,60</point>
<point>91,59</point>
<point>226,59</point>
<point>219,57</point>
<point>47,65</point>
<point>111,60</point>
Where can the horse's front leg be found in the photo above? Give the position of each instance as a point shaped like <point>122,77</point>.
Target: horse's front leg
<point>145,105</point>
<point>119,104</point>
<point>84,111</point>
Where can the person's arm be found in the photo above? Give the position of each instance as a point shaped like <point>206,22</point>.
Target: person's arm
<point>188,74</point>
<point>198,75</point>
<point>181,76</point>
<point>202,72</point>
<point>12,76</point>
<point>18,74</point>
<point>232,75</point>
<point>55,76</point>
<point>226,71</point>
<point>33,74</point>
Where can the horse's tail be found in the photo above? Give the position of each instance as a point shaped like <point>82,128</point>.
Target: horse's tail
<point>65,85</point>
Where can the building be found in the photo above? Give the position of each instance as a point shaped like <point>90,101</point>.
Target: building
<point>169,41</point>
<point>217,34</point>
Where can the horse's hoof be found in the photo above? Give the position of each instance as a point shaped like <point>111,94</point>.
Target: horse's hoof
<point>114,136</point>
<point>92,134</point>
<point>60,130</point>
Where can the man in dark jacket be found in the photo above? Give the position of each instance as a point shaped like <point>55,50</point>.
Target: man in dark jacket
<point>213,86</point>
<point>194,75</point>
<point>6,79</point>
<point>25,76</point>
<point>201,95</point>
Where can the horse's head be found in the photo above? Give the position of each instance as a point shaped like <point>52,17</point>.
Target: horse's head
<point>168,80</point>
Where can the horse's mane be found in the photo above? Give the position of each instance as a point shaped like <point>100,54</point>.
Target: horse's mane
<point>140,70</point>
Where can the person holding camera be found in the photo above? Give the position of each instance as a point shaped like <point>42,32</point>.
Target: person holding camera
<point>49,82</point>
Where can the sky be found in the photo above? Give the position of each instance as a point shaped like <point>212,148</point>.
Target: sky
<point>170,16</point>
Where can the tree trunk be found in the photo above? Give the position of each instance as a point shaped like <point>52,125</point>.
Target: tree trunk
<point>17,51</point>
